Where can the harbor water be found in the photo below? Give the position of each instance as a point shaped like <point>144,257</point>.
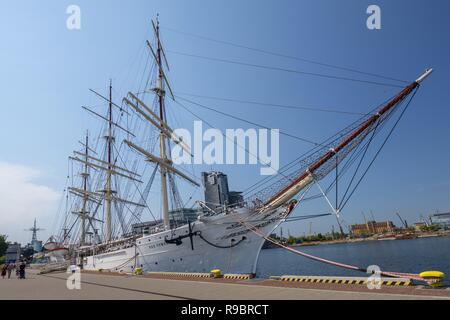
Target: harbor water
<point>410,256</point>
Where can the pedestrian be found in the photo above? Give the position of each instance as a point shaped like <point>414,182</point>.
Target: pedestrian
<point>17,270</point>
<point>4,270</point>
<point>10,268</point>
<point>22,270</point>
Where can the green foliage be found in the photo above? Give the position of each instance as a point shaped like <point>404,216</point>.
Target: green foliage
<point>431,228</point>
<point>312,238</point>
<point>2,260</point>
<point>3,244</point>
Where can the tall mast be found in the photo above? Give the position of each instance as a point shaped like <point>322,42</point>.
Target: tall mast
<point>158,120</point>
<point>108,234</point>
<point>85,175</point>
<point>162,140</point>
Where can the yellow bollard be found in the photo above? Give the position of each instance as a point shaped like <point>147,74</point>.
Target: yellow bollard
<point>216,273</point>
<point>433,278</point>
<point>138,271</point>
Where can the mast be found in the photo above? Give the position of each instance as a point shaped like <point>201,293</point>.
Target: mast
<point>34,231</point>
<point>85,175</point>
<point>166,134</point>
<point>108,192</point>
<point>308,176</point>
<point>162,139</point>
<point>106,164</point>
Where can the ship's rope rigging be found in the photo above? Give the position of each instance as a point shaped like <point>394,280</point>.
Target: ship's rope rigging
<point>273,105</point>
<point>311,152</point>
<point>145,91</point>
<point>278,243</point>
<point>277,54</point>
<point>344,200</point>
<point>287,70</point>
<point>228,138</point>
<point>358,153</point>
<point>246,121</point>
<point>319,146</point>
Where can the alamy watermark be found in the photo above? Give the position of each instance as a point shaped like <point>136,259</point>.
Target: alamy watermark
<point>73,22</point>
<point>374,281</point>
<point>374,20</point>
<point>235,146</point>
<point>73,282</point>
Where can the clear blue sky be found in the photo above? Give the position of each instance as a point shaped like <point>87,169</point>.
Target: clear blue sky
<point>46,70</point>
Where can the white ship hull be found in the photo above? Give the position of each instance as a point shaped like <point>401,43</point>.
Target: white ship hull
<point>223,244</point>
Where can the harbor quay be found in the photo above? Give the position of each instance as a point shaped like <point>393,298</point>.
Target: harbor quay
<point>114,286</point>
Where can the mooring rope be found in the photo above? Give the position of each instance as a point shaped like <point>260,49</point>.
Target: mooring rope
<point>337,264</point>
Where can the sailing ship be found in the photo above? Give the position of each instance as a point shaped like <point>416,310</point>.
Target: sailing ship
<point>228,238</point>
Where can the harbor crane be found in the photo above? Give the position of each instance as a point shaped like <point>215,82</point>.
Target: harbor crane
<point>404,222</point>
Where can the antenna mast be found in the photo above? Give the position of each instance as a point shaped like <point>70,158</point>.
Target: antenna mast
<point>34,231</point>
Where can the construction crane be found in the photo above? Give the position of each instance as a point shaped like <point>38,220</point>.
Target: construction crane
<point>404,222</point>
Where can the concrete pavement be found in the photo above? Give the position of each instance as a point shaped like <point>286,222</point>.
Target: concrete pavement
<point>124,287</point>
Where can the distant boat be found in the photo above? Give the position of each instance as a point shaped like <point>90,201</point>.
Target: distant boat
<point>386,237</point>
<point>428,235</point>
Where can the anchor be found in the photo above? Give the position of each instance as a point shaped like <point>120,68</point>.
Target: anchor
<point>178,240</point>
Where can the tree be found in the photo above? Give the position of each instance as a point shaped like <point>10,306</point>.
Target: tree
<point>3,244</point>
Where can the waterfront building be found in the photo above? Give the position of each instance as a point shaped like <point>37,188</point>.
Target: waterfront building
<point>216,188</point>
<point>441,219</point>
<point>144,227</point>
<point>372,227</point>
<point>13,253</point>
<point>184,214</point>
<point>419,225</point>
<point>235,198</point>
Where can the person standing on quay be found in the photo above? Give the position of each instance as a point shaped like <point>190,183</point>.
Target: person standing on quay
<point>10,268</point>
<point>4,271</point>
<point>22,270</point>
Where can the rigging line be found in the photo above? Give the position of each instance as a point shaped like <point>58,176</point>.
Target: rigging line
<point>68,232</point>
<point>232,140</point>
<point>381,148</point>
<point>326,261</point>
<point>320,75</point>
<point>285,55</point>
<point>289,165</point>
<point>137,188</point>
<point>249,122</point>
<point>360,162</point>
<point>274,104</point>
<point>290,219</point>
<point>355,154</point>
